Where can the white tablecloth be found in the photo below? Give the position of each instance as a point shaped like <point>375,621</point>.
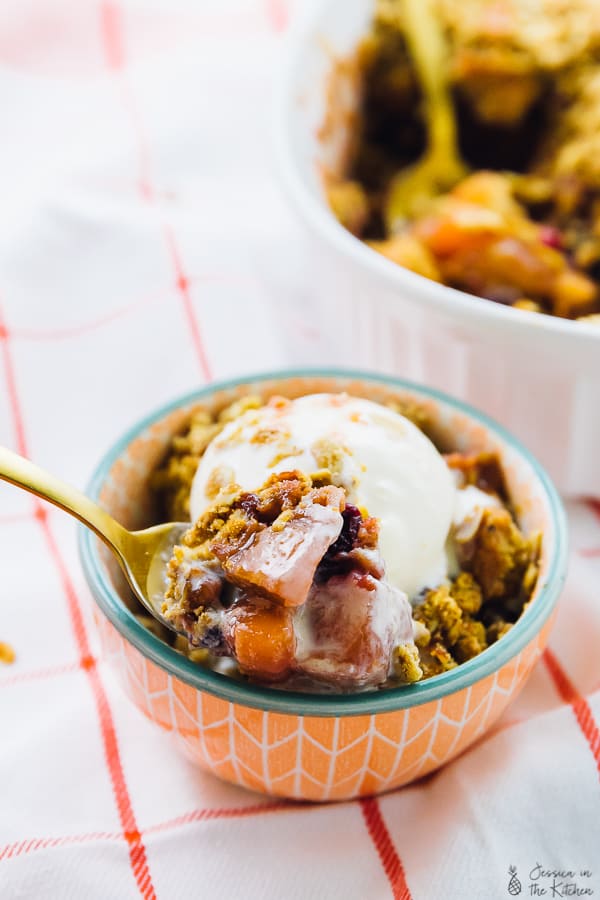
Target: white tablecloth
<point>144,248</point>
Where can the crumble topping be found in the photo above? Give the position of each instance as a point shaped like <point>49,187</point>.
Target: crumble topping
<point>173,481</point>
<point>330,455</point>
<point>407,664</point>
<point>481,470</point>
<point>7,653</point>
<point>284,453</point>
<point>498,555</point>
<point>221,478</point>
<point>269,436</point>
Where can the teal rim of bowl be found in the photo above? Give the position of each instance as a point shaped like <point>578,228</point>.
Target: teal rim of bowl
<point>368,702</point>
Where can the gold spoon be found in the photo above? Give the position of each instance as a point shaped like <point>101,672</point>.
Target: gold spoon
<point>441,167</point>
<point>142,555</point>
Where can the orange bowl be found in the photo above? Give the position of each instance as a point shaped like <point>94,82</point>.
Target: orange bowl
<point>319,746</point>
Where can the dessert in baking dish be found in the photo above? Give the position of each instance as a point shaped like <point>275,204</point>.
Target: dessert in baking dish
<point>523,227</point>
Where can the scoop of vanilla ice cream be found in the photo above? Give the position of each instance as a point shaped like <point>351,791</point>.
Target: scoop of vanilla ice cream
<point>387,465</point>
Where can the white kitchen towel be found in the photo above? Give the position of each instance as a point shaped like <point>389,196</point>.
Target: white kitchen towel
<point>145,248</point>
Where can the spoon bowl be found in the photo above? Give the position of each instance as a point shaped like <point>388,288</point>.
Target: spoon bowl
<point>142,555</point>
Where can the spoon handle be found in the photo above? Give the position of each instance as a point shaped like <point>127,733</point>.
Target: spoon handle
<point>21,472</point>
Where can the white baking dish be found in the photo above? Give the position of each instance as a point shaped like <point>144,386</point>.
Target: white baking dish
<point>538,375</point>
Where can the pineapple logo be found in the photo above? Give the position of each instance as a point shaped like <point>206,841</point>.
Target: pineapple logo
<point>514,885</point>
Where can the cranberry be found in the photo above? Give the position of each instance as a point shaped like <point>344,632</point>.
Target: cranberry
<point>213,639</point>
<point>335,562</point>
<point>551,237</point>
<point>349,533</point>
<point>248,502</point>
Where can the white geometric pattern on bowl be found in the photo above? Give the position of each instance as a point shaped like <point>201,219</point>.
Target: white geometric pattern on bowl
<point>315,758</point>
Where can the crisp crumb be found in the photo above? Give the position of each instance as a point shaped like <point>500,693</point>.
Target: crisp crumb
<point>407,666</point>
<point>7,654</point>
<point>220,478</point>
<point>329,455</point>
<point>284,453</point>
